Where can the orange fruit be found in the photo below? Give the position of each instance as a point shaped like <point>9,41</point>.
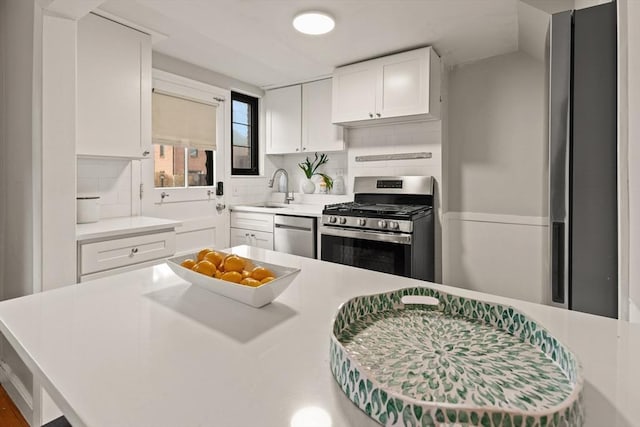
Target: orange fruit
<point>248,264</point>
<point>188,263</point>
<point>205,267</point>
<point>267,280</point>
<point>260,273</point>
<point>218,274</point>
<point>233,263</point>
<point>202,253</point>
<point>232,276</point>
<point>214,256</point>
<point>245,274</point>
<point>250,282</point>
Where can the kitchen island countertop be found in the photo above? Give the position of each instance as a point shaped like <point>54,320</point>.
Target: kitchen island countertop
<point>145,348</point>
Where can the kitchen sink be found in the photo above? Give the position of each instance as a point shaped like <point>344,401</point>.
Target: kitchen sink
<point>269,205</point>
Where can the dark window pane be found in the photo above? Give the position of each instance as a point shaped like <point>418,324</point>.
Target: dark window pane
<point>241,157</point>
<point>240,112</point>
<point>244,135</point>
<point>240,135</point>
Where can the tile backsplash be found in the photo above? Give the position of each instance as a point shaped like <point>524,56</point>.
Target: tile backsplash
<point>111,180</point>
<point>396,139</point>
<point>336,166</point>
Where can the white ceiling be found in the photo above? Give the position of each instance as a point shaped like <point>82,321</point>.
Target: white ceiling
<point>254,41</point>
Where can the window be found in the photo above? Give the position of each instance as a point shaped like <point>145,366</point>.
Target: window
<point>244,134</point>
<point>184,141</point>
<point>170,168</point>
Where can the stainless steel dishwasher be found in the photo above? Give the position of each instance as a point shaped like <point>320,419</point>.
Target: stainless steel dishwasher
<point>295,235</point>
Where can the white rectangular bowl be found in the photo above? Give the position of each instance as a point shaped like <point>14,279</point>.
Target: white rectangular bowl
<point>255,297</point>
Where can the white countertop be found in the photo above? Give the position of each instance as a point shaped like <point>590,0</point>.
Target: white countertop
<point>299,209</point>
<point>113,227</point>
<point>145,348</point>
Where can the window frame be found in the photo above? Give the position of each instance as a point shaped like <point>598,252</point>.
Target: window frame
<point>252,101</point>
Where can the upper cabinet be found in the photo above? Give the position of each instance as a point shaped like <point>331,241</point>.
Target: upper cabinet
<point>298,119</point>
<point>284,119</point>
<point>401,87</point>
<point>114,90</point>
<point>318,133</point>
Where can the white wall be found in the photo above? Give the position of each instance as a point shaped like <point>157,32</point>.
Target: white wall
<point>58,148</point>
<point>16,172</point>
<point>497,137</point>
<point>495,232</point>
<point>633,52</point>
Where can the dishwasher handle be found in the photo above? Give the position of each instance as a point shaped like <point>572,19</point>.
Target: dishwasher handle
<point>293,227</point>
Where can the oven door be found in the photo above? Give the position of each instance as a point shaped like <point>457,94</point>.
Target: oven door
<point>373,250</point>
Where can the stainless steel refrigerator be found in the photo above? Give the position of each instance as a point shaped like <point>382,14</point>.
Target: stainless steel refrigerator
<point>583,160</point>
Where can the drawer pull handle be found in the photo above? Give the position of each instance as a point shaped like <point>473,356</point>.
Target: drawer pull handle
<point>134,251</point>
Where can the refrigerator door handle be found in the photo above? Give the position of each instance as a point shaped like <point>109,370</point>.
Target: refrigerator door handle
<point>557,263</point>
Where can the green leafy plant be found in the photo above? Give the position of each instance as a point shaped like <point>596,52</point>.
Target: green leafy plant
<point>310,168</point>
<point>327,180</point>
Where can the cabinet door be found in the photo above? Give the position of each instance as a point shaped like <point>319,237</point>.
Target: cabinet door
<point>261,239</point>
<point>404,86</point>
<point>240,236</point>
<point>284,116</point>
<point>114,74</point>
<point>354,93</point>
<point>318,133</point>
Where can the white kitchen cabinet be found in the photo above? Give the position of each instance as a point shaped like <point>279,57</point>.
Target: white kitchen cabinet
<point>114,90</point>
<point>109,255</point>
<point>259,239</point>
<point>252,228</point>
<point>318,133</point>
<point>299,119</point>
<point>284,119</point>
<point>395,88</point>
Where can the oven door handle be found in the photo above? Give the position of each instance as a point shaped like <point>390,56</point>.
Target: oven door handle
<point>401,238</point>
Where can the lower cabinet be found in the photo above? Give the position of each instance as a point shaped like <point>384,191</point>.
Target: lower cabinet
<point>259,239</point>
<point>252,228</point>
<point>105,257</point>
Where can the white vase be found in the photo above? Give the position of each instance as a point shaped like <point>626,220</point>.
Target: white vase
<point>308,186</point>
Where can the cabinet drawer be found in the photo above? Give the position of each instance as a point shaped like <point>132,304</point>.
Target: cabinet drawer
<point>108,254</point>
<point>252,221</point>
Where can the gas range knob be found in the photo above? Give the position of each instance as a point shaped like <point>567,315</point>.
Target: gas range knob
<point>382,224</point>
<point>332,219</point>
<point>362,222</point>
<point>393,225</point>
<point>343,220</point>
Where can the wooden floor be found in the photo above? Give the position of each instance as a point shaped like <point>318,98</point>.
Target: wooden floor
<point>9,414</point>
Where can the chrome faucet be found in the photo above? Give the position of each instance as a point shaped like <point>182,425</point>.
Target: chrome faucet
<point>287,198</point>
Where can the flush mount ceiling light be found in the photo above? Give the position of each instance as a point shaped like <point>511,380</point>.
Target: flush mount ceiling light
<point>313,23</point>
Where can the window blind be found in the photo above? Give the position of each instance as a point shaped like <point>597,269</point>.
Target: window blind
<point>180,121</point>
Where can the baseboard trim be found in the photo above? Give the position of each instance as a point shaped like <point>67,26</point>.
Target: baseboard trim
<point>16,391</point>
<point>538,221</point>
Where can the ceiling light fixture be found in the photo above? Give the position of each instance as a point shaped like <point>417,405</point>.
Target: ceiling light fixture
<point>314,23</point>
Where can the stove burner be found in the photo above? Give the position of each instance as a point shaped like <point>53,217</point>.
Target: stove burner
<point>355,208</point>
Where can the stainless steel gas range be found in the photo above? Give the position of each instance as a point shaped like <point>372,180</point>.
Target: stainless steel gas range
<point>389,227</point>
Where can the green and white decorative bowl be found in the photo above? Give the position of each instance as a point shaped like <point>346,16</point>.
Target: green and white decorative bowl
<point>420,357</point>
